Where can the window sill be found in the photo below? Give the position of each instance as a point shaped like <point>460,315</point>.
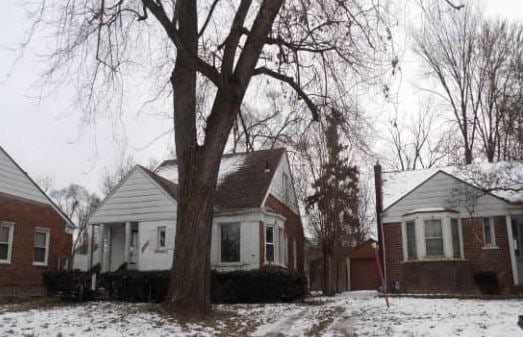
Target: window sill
<point>274,264</point>
<point>160,250</point>
<point>434,259</point>
<point>5,262</point>
<point>230,264</point>
<point>489,247</point>
<point>39,264</point>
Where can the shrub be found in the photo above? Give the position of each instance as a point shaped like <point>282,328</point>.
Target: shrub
<point>254,286</point>
<point>487,282</point>
<point>136,286</point>
<point>73,285</point>
<point>257,286</point>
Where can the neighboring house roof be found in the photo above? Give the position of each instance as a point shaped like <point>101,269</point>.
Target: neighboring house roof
<point>243,179</point>
<point>502,179</point>
<point>16,182</point>
<point>167,185</point>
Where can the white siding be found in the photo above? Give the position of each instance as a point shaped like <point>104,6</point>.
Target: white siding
<point>150,257</point>
<point>15,182</point>
<point>138,198</point>
<point>249,241</point>
<point>443,190</point>
<point>276,188</point>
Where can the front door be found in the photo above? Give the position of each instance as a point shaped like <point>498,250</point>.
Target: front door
<point>517,232</point>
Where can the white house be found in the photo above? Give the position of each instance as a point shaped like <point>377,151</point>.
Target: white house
<point>256,220</point>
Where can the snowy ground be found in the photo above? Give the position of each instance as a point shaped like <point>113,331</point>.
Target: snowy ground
<point>349,314</point>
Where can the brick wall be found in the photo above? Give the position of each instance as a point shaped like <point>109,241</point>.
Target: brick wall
<point>393,252</point>
<point>451,276</point>
<point>27,215</point>
<point>293,230</point>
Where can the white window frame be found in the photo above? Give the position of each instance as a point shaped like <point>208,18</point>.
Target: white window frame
<point>273,243</point>
<point>419,226</point>
<point>47,233</point>
<point>159,230</point>
<point>442,237</point>
<point>11,227</point>
<point>492,232</point>
<point>220,241</point>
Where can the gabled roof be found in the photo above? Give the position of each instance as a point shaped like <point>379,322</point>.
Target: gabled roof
<point>23,186</point>
<point>167,185</point>
<point>503,180</point>
<point>243,179</point>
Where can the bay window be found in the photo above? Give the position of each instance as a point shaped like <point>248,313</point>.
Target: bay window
<point>435,235</point>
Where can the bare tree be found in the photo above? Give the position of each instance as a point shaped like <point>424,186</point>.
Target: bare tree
<point>422,142</point>
<point>78,204</point>
<point>310,46</point>
<point>447,44</point>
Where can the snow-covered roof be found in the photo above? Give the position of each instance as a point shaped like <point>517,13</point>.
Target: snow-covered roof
<point>243,179</point>
<point>502,179</point>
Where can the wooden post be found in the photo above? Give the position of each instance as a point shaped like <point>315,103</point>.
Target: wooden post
<point>127,245</point>
<point>383,283</point>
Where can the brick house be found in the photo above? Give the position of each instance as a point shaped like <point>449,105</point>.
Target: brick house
<point>440,229</point>
<point>256,220</point>
<point>34,234</point>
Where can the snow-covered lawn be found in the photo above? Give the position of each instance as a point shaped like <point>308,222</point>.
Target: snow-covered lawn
<point>349,314</point>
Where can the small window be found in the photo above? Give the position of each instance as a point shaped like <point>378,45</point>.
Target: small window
<point>6,242</point>
<point>456,243</point>
<point>8,291</point>
<point>230,242</point>
<point>41,247</point>
<point>37,291</point>
<point>286,186</point>
<point>161,237</point>
<point>488,232</point>
<point>412,252</point>
<point>433,237</point>
<point>269,244</point>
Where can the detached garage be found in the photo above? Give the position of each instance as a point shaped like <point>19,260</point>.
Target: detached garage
<point>364,272</point>
<point>359,268</point>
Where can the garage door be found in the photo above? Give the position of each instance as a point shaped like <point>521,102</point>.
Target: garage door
<point>364,274</point>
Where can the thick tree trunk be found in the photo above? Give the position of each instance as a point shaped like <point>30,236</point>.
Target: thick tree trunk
<point>189,286</point>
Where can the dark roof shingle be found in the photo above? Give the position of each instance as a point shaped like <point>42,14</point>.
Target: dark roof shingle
<point>243,181</point>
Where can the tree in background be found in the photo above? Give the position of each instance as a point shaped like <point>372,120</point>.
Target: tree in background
<point>475,63</point>
<point>334,206</point>
<point>78,204</point>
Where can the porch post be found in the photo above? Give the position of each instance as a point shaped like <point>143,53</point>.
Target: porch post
<point>102,248</point>
<point>510,235</point>
<point>127,241</point>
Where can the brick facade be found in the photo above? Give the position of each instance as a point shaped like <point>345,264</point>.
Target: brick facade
<point>450,276</point>
<point>27,215</point>
<point>293,231</point>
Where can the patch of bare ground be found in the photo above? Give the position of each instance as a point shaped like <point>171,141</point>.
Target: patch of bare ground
<point>325,319</point>
<point>36,304</point>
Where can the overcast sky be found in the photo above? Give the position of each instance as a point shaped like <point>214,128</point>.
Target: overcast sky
<point>46,136</point>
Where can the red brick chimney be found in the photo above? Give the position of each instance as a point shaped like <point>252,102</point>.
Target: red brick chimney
<point>378,183</point>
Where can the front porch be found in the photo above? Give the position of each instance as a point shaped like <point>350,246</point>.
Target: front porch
<point>114,245</point>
